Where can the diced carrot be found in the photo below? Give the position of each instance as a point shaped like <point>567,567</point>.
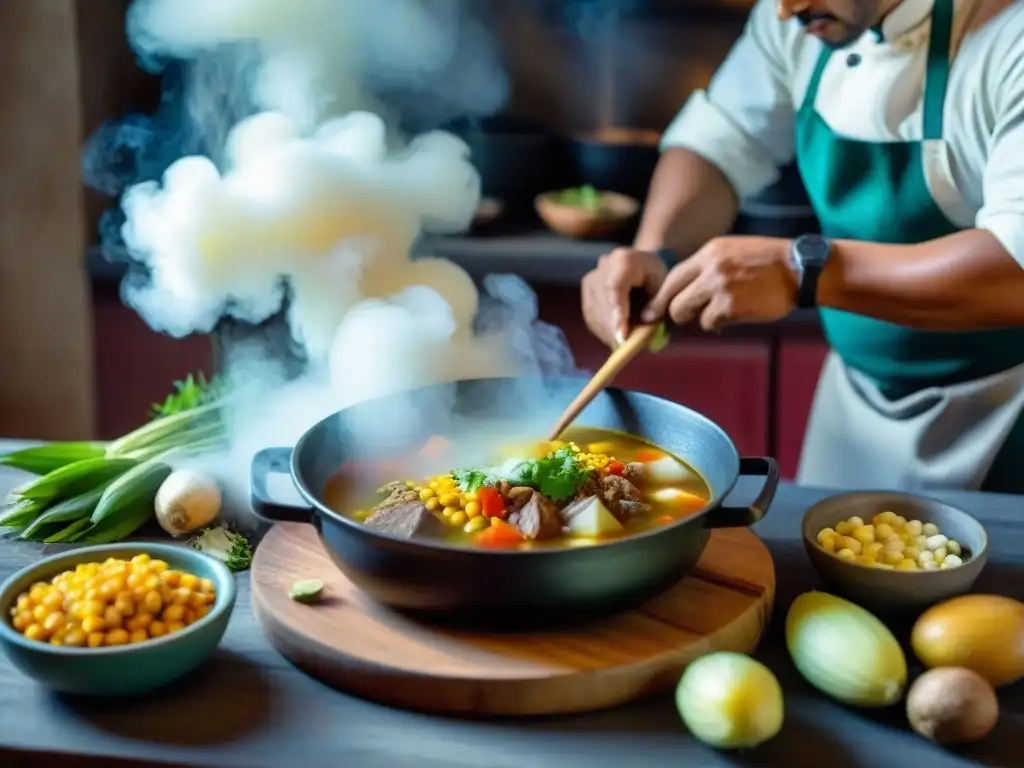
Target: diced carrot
<point>491,503</point>
<point>499,535</point>
<point>650,454</point>
<point>665,520</point>
<point>616,468</point>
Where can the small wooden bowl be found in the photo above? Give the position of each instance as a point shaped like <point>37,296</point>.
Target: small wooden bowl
<point>889,591</point>
<point>573,221</point>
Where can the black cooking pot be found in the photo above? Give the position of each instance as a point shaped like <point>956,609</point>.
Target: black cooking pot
<point>618,160</point>
<point>446,582</point>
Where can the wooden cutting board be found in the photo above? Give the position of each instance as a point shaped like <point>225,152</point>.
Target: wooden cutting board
<point>351,642</point>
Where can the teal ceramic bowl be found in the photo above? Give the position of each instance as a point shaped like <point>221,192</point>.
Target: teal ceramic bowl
<point>125,670</point>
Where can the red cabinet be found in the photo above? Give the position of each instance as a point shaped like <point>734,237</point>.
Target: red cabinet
<point>798,365</point>
<point>136,366</point>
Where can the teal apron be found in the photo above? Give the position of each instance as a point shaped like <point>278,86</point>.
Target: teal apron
<point>898,406</point>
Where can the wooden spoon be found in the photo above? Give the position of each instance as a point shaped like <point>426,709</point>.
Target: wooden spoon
<point>638,339</point>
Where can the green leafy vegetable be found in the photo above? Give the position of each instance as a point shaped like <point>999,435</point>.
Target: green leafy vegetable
<point>112,484</point>
<point>193,392</point>
<point>660,339</point>
<point>232,549</point>
<point>558,475</point>
<point>580,197</point>
<point>42,459</point>
<point>473,479</point>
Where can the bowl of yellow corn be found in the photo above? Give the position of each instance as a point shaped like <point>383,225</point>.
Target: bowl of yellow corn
<point>893,551</point>
<point>115,620</point>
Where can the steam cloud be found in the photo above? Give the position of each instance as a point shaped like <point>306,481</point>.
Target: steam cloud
<point>297,190</point>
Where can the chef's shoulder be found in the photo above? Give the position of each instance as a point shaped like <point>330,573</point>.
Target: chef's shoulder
<point>996,34</point>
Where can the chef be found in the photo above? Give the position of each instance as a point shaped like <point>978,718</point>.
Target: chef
<point>906,120</point>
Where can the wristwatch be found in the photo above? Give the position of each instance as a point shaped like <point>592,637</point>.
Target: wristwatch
<point>808,256</point>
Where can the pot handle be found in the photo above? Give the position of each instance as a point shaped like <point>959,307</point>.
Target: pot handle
<point>273,461</point>
<point>743,517</point>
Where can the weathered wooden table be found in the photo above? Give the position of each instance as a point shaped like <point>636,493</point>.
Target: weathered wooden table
<point>248,707</point>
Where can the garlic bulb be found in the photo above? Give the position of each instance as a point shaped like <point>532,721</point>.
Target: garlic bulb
<point>730,701</point>
<point>186,502</point>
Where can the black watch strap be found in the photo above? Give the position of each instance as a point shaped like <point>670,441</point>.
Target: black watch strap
<point>668,257</point>
<point>807,296</point>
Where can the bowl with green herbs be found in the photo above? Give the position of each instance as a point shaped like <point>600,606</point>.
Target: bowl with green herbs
<point>586,212</point>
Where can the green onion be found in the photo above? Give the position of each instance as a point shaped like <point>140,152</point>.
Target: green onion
<point>69,532</point>
<point>104,492</point>
<point>67,511</point>
<point>161,429</point>
<point>74,479</point>
<point>20,514</point>
<point>42,459</point>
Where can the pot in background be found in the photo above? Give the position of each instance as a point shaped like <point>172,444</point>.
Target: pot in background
<point>517,159</point>
<point>617,159</point>
<point>440,581</point>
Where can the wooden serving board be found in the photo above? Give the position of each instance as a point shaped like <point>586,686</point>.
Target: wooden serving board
<point>352,642</point>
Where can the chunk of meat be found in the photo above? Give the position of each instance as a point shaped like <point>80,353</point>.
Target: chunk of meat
<point>615,489</point>
<point>538,519</point>
<point>518,497</point>
<point>399,494</point>
<point>625,511</point>
<point>633,472</point>
<point>621,497</point>
<point>389,488</point>
<point>405,520</point>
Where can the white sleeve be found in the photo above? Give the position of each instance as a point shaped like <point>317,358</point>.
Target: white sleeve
<point>1002,211</point>
<point>744,123</point>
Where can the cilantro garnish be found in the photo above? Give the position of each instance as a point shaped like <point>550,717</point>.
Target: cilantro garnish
<point>472,479</point>
<point>559,475</point>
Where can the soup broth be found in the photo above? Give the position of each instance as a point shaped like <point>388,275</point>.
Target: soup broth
<point>594,486</point>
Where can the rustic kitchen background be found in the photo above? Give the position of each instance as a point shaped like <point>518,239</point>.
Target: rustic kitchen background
<point>77,363</point>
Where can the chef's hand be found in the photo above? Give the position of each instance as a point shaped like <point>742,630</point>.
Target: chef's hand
<point>730,280</point>
<point>606,290</point>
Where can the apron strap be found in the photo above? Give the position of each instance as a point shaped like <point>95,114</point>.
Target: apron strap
<point>811,94</point>
<point>936,71</point>
<point>937,68</point>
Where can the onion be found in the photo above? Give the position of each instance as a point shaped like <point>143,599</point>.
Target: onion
<point>730,701</point>
<point>186,502</point>
<point>984,633</point>
<point>844,651</point>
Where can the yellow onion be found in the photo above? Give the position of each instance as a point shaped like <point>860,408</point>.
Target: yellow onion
<point>844,651</point>
<point>730,701</point>
<point>984,633</point>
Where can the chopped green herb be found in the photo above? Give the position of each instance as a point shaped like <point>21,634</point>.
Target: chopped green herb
<point>189,394</point>
<point>581,197</point>
<point>472,479</point>
<point>306,591</point>
<point>660,339</point>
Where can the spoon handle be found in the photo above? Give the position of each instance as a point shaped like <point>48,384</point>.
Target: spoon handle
<point>637,340</point>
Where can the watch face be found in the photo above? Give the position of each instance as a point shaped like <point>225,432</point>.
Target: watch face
<point>813,250</point>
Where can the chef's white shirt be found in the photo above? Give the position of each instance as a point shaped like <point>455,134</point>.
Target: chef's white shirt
<point>744,122</point>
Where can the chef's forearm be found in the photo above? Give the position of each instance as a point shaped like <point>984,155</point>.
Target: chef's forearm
<point>967,281</point>
<point>690,202</point>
